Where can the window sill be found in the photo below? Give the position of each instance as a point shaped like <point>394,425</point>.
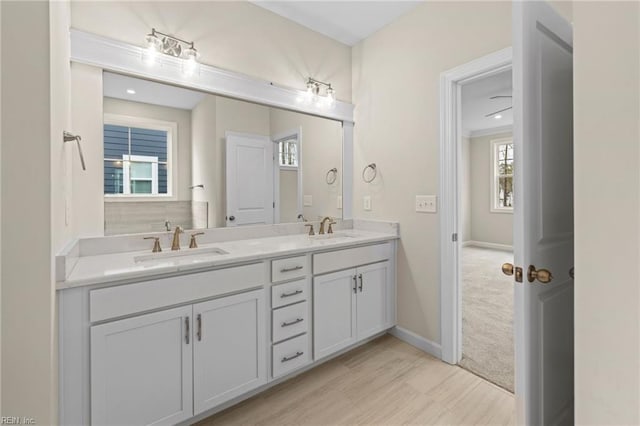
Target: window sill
<point>138,198</point>
<point>502,211</point>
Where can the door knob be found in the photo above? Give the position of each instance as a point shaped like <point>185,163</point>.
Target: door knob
<point>509,269</point>
<point>232,218</point>
<point>572,272</point>
<point>542,275</point>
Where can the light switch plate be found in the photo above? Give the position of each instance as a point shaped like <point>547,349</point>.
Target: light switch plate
<point>339,202</point>
<point>426,204</point>
<point>367,202</point>
<point>308,200</point>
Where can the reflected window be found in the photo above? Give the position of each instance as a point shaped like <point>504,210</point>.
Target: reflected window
<point>136,159</point>
<point>288,152</point>
<point>502,191</point>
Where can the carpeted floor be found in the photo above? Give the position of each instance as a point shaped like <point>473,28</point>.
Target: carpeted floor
<point>487,315</point>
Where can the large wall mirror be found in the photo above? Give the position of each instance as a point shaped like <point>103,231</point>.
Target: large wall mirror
<point>176,156</point>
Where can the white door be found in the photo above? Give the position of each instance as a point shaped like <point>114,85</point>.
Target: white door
<point>141,370</point>
<point>249,176</point>
<point>543,215</point>
<point>334,312</point>
<point>229,356</point>
<point>372,299</point>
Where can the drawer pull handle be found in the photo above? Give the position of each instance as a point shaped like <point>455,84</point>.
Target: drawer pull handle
<point>293,293</point>
<point>186,332</point>
<point>295,268</point>
<point>355,284</point>
<point>295,321</point>
<point>360,277</point>
<point>289,358</point>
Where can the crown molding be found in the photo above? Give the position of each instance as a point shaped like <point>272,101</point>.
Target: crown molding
<point>491,131</point>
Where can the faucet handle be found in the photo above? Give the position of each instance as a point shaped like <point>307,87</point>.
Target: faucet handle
<point>156,244</point>
<point>310,225</point>
<point>330,230</point>
<point>194,243</point>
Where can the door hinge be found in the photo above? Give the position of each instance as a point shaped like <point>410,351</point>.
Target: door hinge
<point>454,237</point>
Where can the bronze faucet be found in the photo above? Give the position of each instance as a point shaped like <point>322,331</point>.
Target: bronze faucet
<point>330,230</point>
<point>175,245</point>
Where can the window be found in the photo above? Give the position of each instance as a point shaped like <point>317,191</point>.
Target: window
<point>502,182</point>
<point>288,153</point>
<point>137,157</point>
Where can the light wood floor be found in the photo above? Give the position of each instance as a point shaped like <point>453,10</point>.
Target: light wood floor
<point>385,382</point>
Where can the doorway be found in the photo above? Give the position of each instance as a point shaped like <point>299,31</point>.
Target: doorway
<point>486,228</point>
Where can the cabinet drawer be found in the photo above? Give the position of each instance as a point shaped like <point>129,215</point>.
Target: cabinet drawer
<point>349,258</point>
<point>291,355</point>
<point>113,302</point>
<point>286,294</point>
<point>288,269</point>
<point>290,321</point>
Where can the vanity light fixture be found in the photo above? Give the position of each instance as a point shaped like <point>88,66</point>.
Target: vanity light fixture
<point>159,42</point>
<point>313,92</point>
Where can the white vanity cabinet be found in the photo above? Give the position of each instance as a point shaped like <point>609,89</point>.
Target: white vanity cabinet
<point>352,304</point>
<point>164,367</point>
<point>141,369</point>
<point>229,348</point>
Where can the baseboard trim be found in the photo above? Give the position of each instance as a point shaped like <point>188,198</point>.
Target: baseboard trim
<point>483,244</point>
<point>426,345</point>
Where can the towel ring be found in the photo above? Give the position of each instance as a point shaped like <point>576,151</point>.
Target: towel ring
<point>332,175</point>
<point>373,167</point>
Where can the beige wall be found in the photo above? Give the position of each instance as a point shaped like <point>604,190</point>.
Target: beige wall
<point>233,35</point>
<point>87,211</point>
<point>465,192</point>
<point>321,151</point>
<point>607,243</point>
<point>396,75</point>
<point>486,226</point>
<point>35,109</point>
<point>204,152</point>
<point>181,117</point>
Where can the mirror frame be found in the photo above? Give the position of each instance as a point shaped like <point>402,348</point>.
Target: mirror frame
<point>124,58</point>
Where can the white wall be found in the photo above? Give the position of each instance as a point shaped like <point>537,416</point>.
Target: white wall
<point>486,226</point>
<point>233,35</point>
<point>181,117</point>
<point>35,178</point>
<point>607,242</point>
<point>396,75</point>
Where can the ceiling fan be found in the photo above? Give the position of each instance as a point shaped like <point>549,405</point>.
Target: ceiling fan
<point>501,110</point>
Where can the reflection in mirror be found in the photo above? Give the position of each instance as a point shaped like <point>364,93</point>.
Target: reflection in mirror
<point>179,157</point>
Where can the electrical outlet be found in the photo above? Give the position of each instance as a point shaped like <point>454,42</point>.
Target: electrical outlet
<point>426,204</point>
<point>308,200</point>
<point>367,202</point>
<point>339,202</point>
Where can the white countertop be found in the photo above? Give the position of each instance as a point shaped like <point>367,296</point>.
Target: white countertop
<point>118,267</point>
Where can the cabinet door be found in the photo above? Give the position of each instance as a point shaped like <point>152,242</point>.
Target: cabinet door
<point>229,356</point>
<point>372,299</point>
<point>141,369</point>
<point>334,308</point>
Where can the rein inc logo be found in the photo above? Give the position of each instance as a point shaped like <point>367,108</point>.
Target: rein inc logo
<point>14,420</point>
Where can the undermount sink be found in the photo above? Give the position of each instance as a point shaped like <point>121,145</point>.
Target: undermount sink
<point>330,236</point>
<point>205,251</point>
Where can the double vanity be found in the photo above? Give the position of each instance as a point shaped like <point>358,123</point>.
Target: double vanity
<point>175,336</point>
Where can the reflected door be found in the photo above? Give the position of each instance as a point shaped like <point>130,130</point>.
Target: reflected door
<point>249,179</point>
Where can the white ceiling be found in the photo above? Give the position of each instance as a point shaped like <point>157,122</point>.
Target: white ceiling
<point>150,92</point>
<point>345,21</point>
<point>476,103</point>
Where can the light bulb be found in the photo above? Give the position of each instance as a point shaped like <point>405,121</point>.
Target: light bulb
<point>153,48</point>
<point>190,63</point>
<point>331,95</point>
